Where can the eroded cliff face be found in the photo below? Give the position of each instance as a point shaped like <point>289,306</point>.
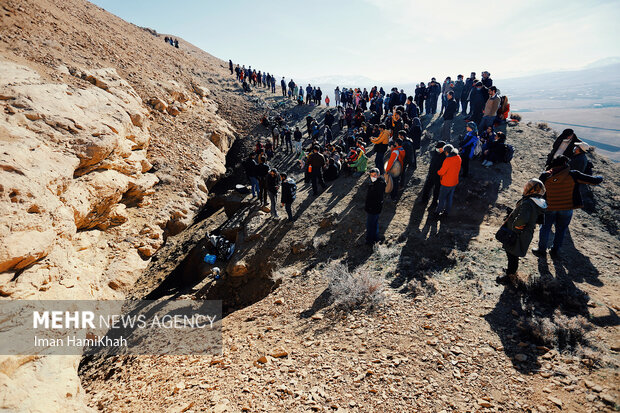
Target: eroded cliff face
<point>109,142</point>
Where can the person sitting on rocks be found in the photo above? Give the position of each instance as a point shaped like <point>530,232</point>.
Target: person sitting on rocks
<point>495,151</point>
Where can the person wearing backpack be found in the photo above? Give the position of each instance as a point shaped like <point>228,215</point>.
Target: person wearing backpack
<point>468,146</point>
<point>522,221</point>
<point>289,193</point>
<point>563,196</point>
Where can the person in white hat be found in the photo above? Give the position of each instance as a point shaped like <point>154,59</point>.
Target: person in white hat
<point>579,160</point>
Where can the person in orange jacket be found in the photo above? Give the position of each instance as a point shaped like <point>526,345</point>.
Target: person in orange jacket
<point>397,154</point>
<point>381,144</point>
<point>449,175</point>
<point>327,100</point>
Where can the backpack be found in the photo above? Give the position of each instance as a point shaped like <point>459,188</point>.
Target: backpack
<point>509,153</point>
<point>292,188</point>
<point>478,148</point>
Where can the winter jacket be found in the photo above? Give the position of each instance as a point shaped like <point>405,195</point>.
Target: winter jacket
<point>451,108</point>
<point>398,153</point>
<point>562,186</point>
<point>491,107</point>
<point>468,144</point>
<point>361,163</point>
<point>297,136</point>
<point>568,151</point>
<point>459,85</point>
<point>289,188</point>
<point>374,196</point>
<point>579,162</point>
<point>437,159</point>
<point>408,147</point>
<point>412,110</point>
<point>526,214</point>
<point>262,170</point>
<point>316,161</point>
<point>416,133</point>
<point>381,141</point>
<point>476,98</point>
<point>273,183</point>
<point>450,169</point>
<point>249,167</point>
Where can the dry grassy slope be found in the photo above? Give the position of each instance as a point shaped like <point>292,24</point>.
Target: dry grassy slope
<point>447,338</point>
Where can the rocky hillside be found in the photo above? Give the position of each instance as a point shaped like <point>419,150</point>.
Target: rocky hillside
<point>110,142</point>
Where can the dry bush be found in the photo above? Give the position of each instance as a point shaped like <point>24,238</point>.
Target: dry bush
<point>350,291</point>
<point>515,116</point>
<point>559,330</point>
<point>417,288</point>
<point>543,126</point>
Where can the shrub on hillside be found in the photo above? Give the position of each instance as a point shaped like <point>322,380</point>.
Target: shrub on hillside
<point>543,126</point>
<point>350,291</point>
<point>560,331</point>
<point>515,116</point>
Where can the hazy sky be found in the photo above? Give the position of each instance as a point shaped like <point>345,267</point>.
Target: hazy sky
<point>389,40</point>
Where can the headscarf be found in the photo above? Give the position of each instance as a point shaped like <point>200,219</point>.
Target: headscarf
<point>473,127</point>
<point>534,187</point>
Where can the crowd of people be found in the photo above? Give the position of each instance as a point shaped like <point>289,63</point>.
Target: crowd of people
<point>390,124</point>
<point>172,42</point>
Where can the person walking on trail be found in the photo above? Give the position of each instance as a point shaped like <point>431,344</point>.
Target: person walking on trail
<point>448,116</point>
<point>249,167</point>
<point>563,196</point>
<point>273,186</point>
<point>381,145</point>
<point>289,193</point>
<point>316,162</point>
<point>433,183</point>
<point>397,154</point>
<point>522,221</point>
<point>449,174</point>
<point>467,147</point>
<point>490,109</point>
<point>373,205</point>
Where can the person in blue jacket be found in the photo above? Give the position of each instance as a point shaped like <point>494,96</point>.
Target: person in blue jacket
<point>467,147</point>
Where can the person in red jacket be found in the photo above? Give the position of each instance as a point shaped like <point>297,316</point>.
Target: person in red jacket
<point>397,154</point>
<point>449,176</point>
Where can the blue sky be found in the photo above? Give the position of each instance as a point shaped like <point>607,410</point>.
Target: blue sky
<point>389,40</point>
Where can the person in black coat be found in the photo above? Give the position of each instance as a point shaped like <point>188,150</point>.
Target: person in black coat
<point>329,119</point>
<point>563,145</point>
<point>411,108</point>
<point>373,205</point>
<point>415,134</point>
<point>420,92</point>
<point>262,170</point>
<point>476,100</point>
<point>289,193</point>
<point>433,180</point>
<point>403,135</point>
<point>249,167</point>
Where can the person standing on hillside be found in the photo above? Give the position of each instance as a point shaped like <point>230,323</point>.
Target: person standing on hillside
<point>289,193</point>
<point>397,153</point>
<point>273,186</point>
<point>230,66</point>
<point>374,205</point>
<point>410,108</point>
<point>563,145</point>
<point>288,142</point>
<point>337,96</point>
<point>262,170</point>
<point>434,93</point>
<point>466,95</point>
<point>433,180</point>
<point>563,196</point>
<point>445,88</point>
<point>381,144</point>
<point>459,85</point>
<point>318,96</point>
<point>316,162</point>
<point>468,146</point>
<point>420,92</point>
<point>522,221</point>
<point>490,109</point>
<point>283,86</point>
<point>487,82</point>
<point>249,167</point>
<point>476,101</point>
<point>448,117</point>
<point>297,138</point>
<point>449,174</point>
<point>579,160</point>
